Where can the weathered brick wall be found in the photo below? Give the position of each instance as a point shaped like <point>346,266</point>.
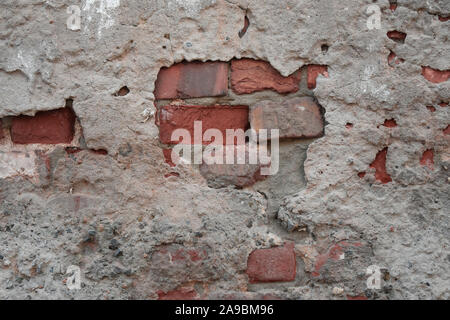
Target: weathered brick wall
<point>294,114</point>
<point>88,176</point>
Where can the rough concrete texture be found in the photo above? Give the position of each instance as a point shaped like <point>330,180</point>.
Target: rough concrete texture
<point>138,228</point>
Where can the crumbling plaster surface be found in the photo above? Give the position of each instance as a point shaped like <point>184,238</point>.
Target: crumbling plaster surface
<point>124,195</point>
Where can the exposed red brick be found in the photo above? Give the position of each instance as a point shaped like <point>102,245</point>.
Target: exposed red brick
<point>443,104</point>
<point>443,19</point>
<point>313,72</point>
<point>171,174</point>
<point>397,36</point>
<point>435,75</point>
<point>99,151</point>
<point>362,174</point>
<point>427,159</point>
<point>173,117</point>
<point>47,127</point>
<point>272,265</point>
<point>1,130</point>
<point>168,157</point>
<point>447,130</point>
<point>431,108</point>
<point>393,7</point>
<point>391,123</point>
<point>73,150</point>
<point>192,80</point>
<point>379,164</point>
<point>183,293</point>
<point>295,118</point>
<point>248,76</point>
<point>393,59</point>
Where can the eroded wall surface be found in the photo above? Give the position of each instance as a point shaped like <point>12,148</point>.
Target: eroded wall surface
<point>371,190</point>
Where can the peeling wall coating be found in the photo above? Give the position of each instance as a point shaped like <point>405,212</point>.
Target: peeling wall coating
<point>140,228</point>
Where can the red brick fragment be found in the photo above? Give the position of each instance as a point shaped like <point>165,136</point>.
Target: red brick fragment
<point>192,80</point>
<point>171,174</point>
<point>431,108</point>
<point>46,127</point>
<point>102,152</point>
<point>427,159</point>
<point>313,72</point>
<point>447,130</point>
<point>362,174</point>
<point>397,36</point>
<point>168,157</point>
<point>272,265</point>
<point>379,164</point>
<point>391,123</point>
<point>443,19</point>
<point>435,75</point>
<point>248,76</point>
<point>174,117</point>
<point>393,59</point>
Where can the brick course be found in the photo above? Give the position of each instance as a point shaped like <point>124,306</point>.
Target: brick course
<point>313,72</point>
<point>46,127</point>
<point>192,80</point>
<point>218,117</point>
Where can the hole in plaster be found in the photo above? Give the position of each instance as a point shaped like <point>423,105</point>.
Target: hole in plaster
<point>69,103</point>
<point>393,4</point>
<point>246,25</point>
<point>390,123</point>
<point>122,92</point>
<point>397,36</point>
<point>325,48</point>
